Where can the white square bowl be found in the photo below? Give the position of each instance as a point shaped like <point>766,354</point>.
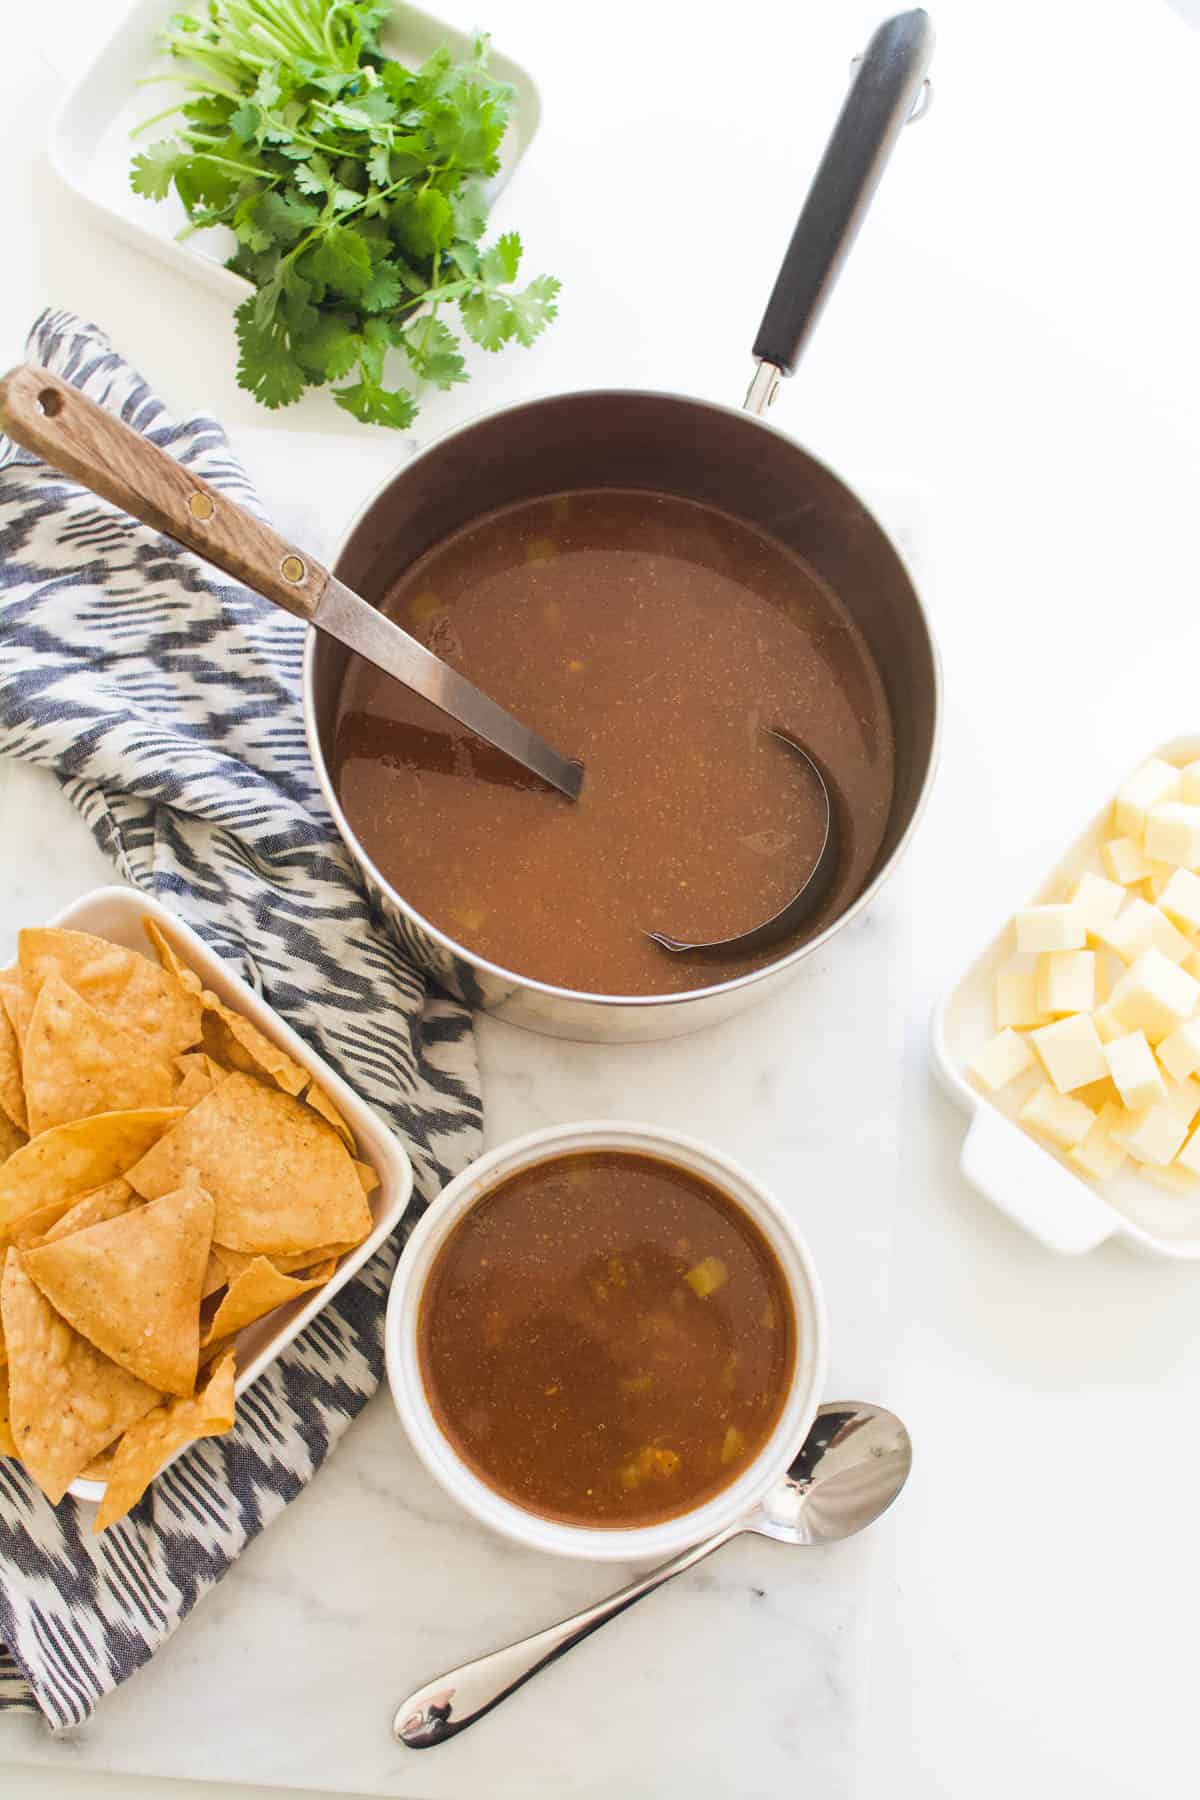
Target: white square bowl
<point>116,913</point>
<point>91,149</point>
<point>1036,1186</point>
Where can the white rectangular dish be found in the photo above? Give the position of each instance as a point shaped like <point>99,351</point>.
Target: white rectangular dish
<point>91,150</point>
<point>1027,1179</point>
<point>116,913</point>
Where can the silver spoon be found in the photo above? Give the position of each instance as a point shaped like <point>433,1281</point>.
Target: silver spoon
<point>852,1465</point>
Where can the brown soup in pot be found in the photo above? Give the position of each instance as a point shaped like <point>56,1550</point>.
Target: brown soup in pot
<point>606,1339</point>
<point>659,640</point>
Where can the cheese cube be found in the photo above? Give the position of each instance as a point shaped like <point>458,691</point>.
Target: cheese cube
<point>1123,859</point>
<point>1064,1121</point>
<point>1071,1052</point>
<point>1193,964</point>
<point>1153,783</point>
<point>1189,784</point>
<point>1107,1024</point>
<point>1016,999</point>
<point>1154,996</point>
<point>1173,834</point>
<point>1189,1156</point>
<point>1099,1155</point>
<point>1098,900</point>
<point>1066,981</point>
<point>1183,1098</point>
<point>1152,1135</point>
<point>1132,1066</point>
<point>1173,1178</point>
<point>1050,928</point>
<point>1180,900</point>
<point>1001,1060</point>
<point>1158,879</point>
<point>1142,927</point>
<point>1179,1054</point>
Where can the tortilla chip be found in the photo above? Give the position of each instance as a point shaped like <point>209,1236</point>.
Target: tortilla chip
<point>12,1090</point>
<point>280,1177</point>
<point>12,1138</point>
<point>67,1401</point>
<point>320,1102</point>
<point>128,990</point>
<point>150,1443</point>
<point>132,1285</point>
<point>170,958</point>
<point>215,1274</point>
<point>237,1044</point>
<point>259,1289</point>
<point>14,1003</point>
<point>100,1467</point>
<point>75,1159</point>
<point>288,1262</point>
<point>368,1177</point>
<point>76,1063</point>
<point>61,1217</point>
<point>199,1076</point>
<point>8,1443</point>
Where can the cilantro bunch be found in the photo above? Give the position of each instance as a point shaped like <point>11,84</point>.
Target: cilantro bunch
<point>353,186</point>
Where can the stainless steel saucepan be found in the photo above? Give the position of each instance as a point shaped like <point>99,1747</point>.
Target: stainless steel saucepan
<point>693,448</point>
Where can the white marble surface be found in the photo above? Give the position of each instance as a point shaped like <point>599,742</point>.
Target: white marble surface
<point>1013,347</point>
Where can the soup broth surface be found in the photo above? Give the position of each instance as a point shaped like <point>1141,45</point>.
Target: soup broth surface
<point>606,1339</point>
<point>658,640</point>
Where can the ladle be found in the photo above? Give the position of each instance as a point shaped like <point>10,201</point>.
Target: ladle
<point>71,433</point>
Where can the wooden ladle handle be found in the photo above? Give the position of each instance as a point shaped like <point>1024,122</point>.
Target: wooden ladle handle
<point>53,419</point>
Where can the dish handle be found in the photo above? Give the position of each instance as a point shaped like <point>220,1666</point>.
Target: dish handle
<point>1020,1178</point>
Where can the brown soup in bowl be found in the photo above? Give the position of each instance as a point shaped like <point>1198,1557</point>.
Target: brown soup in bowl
<point>659,639</point>
<point>606,1339</point>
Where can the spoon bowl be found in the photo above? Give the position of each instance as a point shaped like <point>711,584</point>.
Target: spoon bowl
<point>851,1466</point>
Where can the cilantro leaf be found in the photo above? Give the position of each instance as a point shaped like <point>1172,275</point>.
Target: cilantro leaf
<point>376,405</point>
<point>341,261</point>
<point>432,349</point>
<point>488,318</point>
<point>384,289</point>
<point>154,169</point>
<point>501,262</point>
<point>284,217</point>
<point>265,363</point>
<point>534,308</point>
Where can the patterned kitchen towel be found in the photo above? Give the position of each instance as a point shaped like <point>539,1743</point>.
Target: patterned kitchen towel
<point>167,701</point>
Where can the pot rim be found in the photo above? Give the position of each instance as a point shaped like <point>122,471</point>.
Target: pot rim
<point>529,983</point>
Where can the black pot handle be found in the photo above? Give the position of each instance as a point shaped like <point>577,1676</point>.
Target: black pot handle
<point>881,100</point>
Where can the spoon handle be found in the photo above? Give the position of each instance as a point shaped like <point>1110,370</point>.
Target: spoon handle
<point>451,1702</point>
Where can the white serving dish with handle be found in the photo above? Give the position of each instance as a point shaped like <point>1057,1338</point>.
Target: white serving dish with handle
<point>1027,1179</point>
<point>91,149</point>
<point>116,913</point>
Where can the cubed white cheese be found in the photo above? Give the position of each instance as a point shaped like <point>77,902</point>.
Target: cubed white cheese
<point>1097,899</point>
<point>1123,859</point>
<point>1001,1060</point>
<point>1016,999</point>
<point>1189,1156</point>
<point>1151,1136</point>
<point>1099,1155</point>
<point>1064,1121</point>
<point>1173,834</point>
<point>1173,1178</point>
<point>1066,981</point>
<point>1158,878</point>
<point>1132,1066</point>
<point>1180,900</point>
<point>1050,928</point>
<point>1189,784</point>
<point>1154,782</point>
<point>1107,1024</point>
<point>1071,1052</point>
<point>1183,1098</point>
<point>1143,927</point>
<point>1179,1053</point>
<point>1155,996</point>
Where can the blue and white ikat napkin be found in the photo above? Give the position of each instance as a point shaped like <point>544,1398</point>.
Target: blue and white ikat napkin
<point>167,701</point>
